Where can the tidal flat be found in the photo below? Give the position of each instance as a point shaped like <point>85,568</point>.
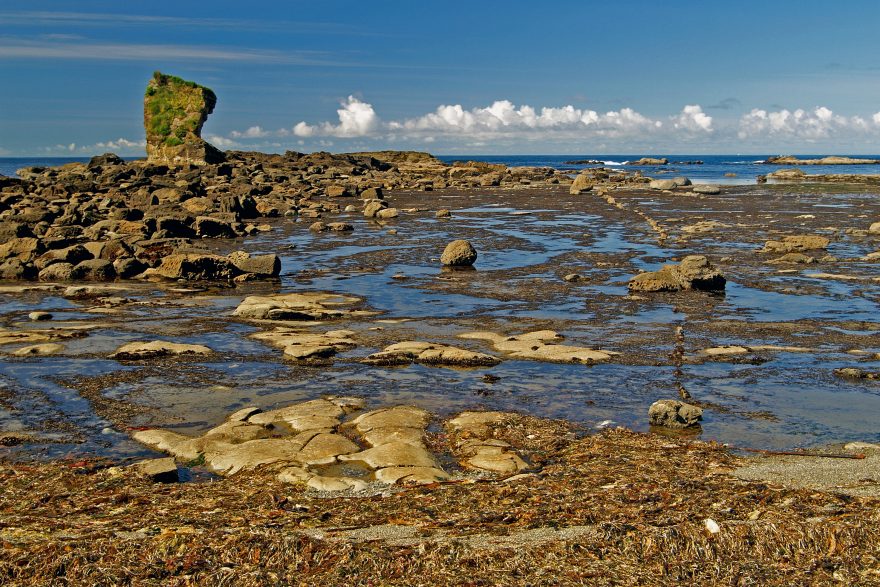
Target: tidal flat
<point>779,359</point>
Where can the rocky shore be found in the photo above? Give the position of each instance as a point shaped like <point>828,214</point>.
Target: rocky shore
<point>326,369</point>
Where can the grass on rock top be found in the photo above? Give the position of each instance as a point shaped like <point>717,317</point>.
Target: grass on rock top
<point>173,106</point>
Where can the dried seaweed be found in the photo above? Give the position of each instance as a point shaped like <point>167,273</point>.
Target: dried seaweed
<point>638,503</point>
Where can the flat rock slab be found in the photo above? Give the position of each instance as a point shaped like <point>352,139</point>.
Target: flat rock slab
<point>404,353</point>
<point>134,351</point>
<point>300,450</point>
<point>46,348</point>
<point>252,454</point>
<point>541,345</point>
<point>298,306</point>
<point>396,417</point>
<point>394,454</point>
<point>306,345</point>
<point>38,336</point>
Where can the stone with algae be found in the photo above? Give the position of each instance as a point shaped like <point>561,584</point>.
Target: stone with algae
<point>174,112</point>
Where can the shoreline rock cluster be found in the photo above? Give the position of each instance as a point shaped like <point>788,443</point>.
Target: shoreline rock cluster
<point>313,444</point>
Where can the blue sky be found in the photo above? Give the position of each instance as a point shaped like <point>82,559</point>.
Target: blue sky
<point>450,77</point>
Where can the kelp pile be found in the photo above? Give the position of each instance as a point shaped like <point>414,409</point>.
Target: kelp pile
<point>614,508</point>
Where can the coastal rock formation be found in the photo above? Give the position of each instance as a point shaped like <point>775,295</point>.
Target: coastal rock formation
<point>384,446</point>
<point>174,112</point>
<point>694,272</point>
<point>833,160</point>
<point>649,161</point>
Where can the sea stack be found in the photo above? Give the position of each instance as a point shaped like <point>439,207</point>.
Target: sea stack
<point>174,112</point>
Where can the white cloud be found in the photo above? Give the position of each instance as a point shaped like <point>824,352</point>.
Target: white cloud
<point>119,144</point>
<point>222,142</point>
<point>356,119</point>
<point>502,117</point>
<point>692,118</point>
<point>820,123</point>
<point>254,132</point>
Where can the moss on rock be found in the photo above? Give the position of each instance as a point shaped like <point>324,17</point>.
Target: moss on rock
<point>174,112</point>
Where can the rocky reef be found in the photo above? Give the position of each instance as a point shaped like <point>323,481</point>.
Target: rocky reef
<point>174,112</point>
<point>832,160</point>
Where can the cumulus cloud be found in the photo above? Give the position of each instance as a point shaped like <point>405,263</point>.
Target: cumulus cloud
<point>254,132</point>
<point>502,117</point>
<point>120,144</point>
<point>816,124</point>
<point>692,118</point>
<point>356,119</point>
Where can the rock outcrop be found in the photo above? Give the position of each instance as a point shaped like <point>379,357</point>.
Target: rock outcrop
<point>174,112</point>
<point>833,160</point>
<point>694,272</point>
<point>649,161</point>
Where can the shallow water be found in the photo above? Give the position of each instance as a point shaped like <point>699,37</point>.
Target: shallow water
<point>766,400</point>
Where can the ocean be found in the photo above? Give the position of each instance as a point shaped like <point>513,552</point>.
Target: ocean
<point>712,169</point>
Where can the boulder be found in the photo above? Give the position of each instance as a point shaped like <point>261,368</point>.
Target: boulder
<point>372,194</point>
<point>459,253</point>
<point>59,272</point>
<point>208,227</point>
<point>162,470</point>
<point>388,213</point>
<point>337,191</point>
<point>96,270</point>
<point>709,190</point>
<point>790,244</point>
<point>197,266</point>
<point>663,184</point>
<point>25,249</point>
<point>581,184</point>
<point>669,413</point>
<point>372,208</point>
<point>694,272</point>
<point>268,265</point>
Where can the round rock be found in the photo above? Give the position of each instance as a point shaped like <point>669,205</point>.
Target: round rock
<point>459,253</point>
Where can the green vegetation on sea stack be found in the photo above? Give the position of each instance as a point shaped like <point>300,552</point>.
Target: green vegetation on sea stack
<point>175,108</point>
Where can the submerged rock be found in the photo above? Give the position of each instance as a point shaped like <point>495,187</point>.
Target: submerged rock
<point>694,272</point>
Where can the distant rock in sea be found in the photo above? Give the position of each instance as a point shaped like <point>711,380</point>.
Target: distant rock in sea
<point>649,161</point>
<point>790,160</point>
